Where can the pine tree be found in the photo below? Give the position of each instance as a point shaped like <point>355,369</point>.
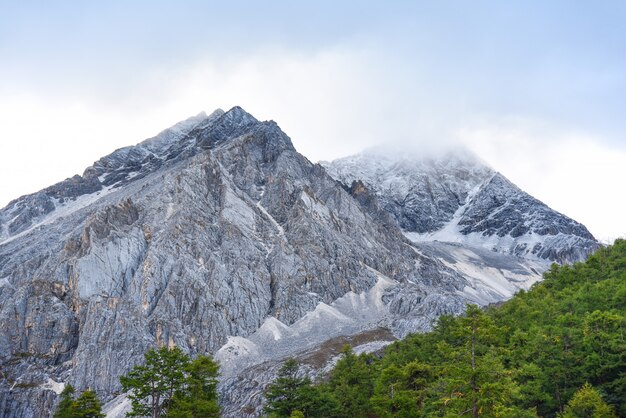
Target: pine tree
<point>352,384</point>
<point>401,391</point>
<point>65,409</point>
<point>171,385</point>
<point>319,402</point>
<point>152,385</point>
<point>587,403</point>
<point>198,397</point>
<point>285,394</point>
<point>473,379</point>
<point>87,405</point>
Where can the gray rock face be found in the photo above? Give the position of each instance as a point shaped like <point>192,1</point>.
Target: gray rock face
<point>218,237</point>
<point>422,195</point>
<point>500,209</point>
<point>456,198</point>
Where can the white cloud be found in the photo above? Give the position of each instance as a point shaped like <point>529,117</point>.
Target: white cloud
<point>332,103</point>
<point>336,101</point>
<point>45,140</point>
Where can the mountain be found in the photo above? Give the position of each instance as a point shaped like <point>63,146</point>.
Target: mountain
<point>217,236</point>
<point>454,197</point>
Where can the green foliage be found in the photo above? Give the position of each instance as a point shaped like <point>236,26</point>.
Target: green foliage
<point>152,385</point>
<point>319,402</point>
<point>352,383</point>
<point>65,409</point>
<point>87,405</point>
<point>570,329</point>
<point>169,384</point>
<point>287,393</point>
<point>528,357</point>
<point>291,396</point>
<point>395,391</point>
<point>587,403</point>
<point>198,397</point>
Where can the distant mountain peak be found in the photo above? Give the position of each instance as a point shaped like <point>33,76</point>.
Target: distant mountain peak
<point>456,197</point>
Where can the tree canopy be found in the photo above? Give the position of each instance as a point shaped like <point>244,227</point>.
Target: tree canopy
<point>170,384</point>
<point>87,405</point>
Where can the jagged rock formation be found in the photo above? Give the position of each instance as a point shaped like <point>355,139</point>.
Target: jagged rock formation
<point>218,237</point>
<point>456,198</point>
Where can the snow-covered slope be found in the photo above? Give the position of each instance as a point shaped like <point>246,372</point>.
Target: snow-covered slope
<point>457,198</point>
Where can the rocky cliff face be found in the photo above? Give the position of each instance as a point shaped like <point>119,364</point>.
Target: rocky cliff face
<point>218,237</point>
<point>456,198</point>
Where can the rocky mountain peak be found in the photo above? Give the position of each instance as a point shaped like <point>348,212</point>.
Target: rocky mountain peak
<point>455,197</point>
<point>217,236</point>
<point>421,193</point>
<point>240,116</point>
<point>129,164</point>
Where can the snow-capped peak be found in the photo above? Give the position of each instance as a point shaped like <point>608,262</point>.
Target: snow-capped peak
<point>456,197</point>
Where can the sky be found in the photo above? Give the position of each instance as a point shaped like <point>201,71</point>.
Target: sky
<point>536,89</point>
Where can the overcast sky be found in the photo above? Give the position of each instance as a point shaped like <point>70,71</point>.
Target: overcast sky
<point>537,89</point>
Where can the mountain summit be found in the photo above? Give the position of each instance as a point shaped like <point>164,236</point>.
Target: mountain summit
<point>456,198</point>
<point>218,237</point>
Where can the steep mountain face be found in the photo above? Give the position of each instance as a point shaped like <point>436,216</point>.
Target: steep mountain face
<point>218,237</point>
<point>456,198</point>
<point>114,170</point>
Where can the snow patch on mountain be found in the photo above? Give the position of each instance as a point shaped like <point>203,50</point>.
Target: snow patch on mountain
<point>169,136</point>
<point>491,276</point>
<point>61,210</point>
<point>56,387</point>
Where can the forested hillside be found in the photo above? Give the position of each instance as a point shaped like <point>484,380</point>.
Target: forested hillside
<point>557,350</point>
